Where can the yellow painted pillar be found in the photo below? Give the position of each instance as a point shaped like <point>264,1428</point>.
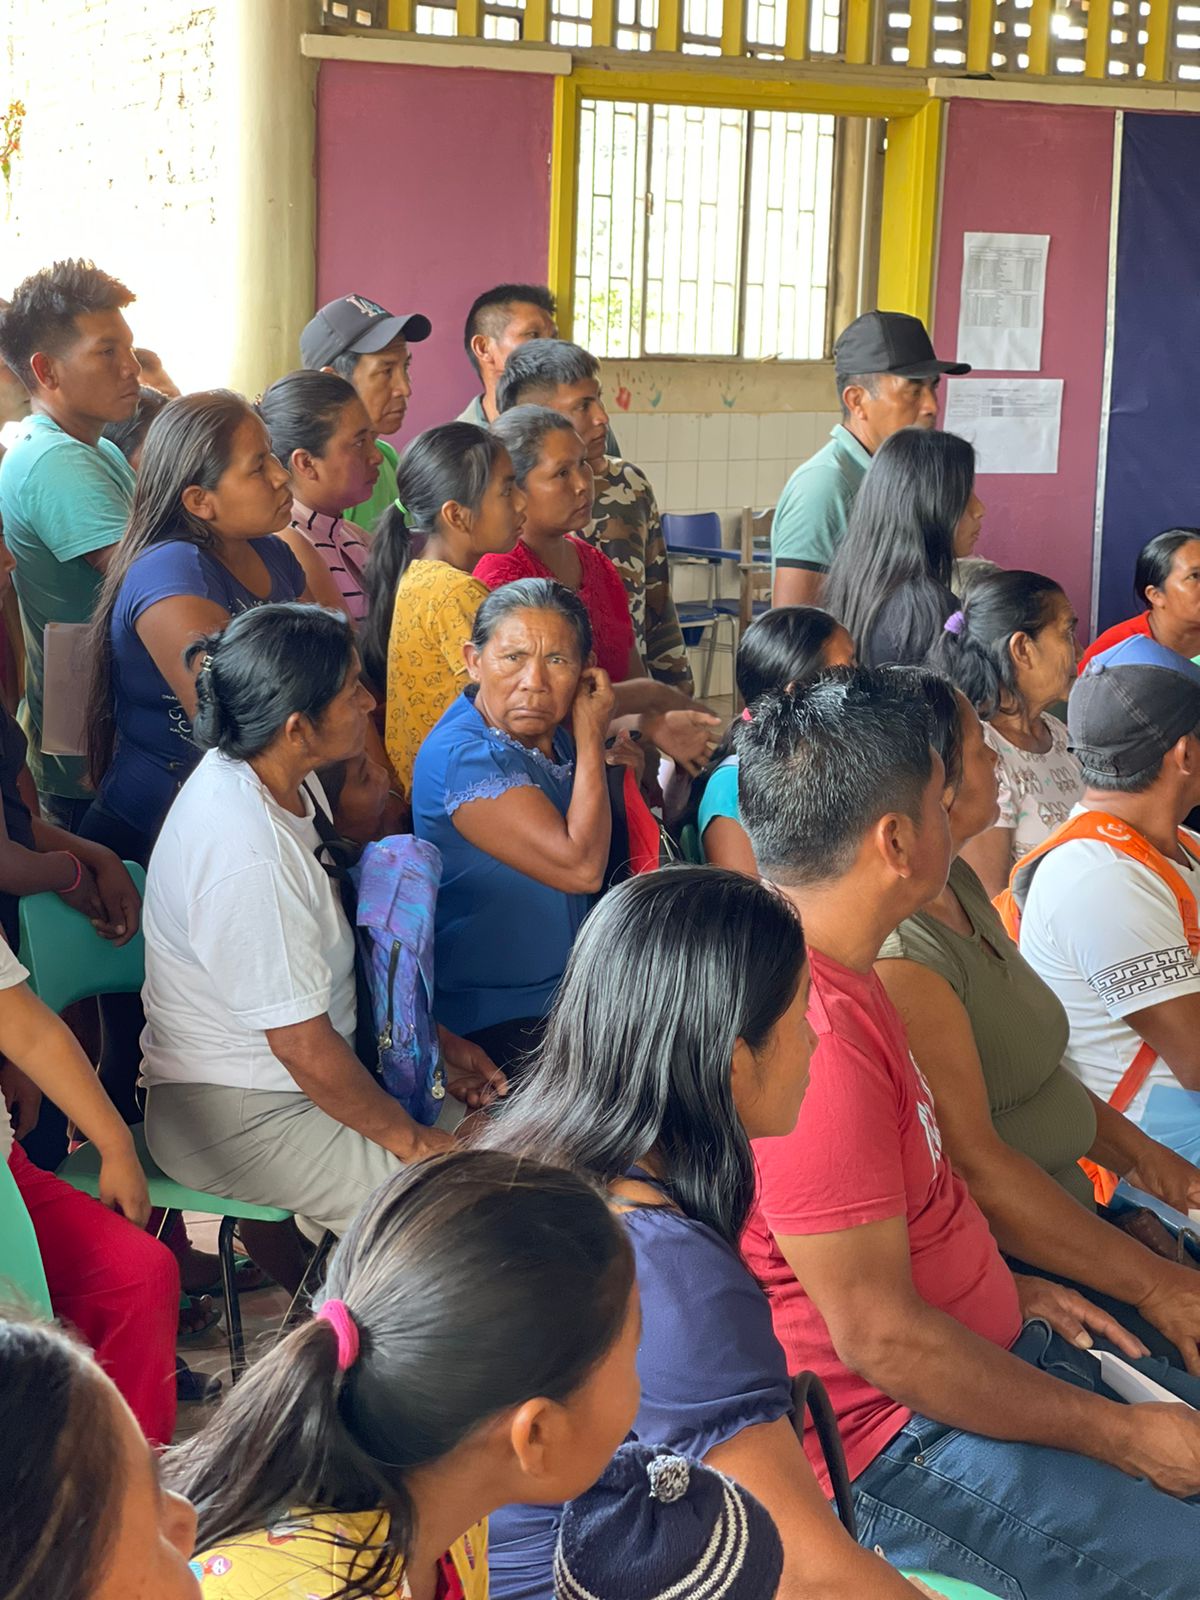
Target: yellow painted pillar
<point>469,18</point>
<point>859,21</point>
<point>799,26</point>
<point>980,23</point>
<point>1095,55</point>
<point>1039,37</point>
<point>1158,38</point>
<point>274,193</point>
<point>564,164</point>
<point>400,15</point>
<point>908,236</point>
<point>919,29</point>
<point>669,33</point>
<point>733,27</point>
<point>603,21</point>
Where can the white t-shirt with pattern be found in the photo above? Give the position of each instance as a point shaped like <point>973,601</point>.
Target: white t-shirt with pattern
<point>1037,792</point>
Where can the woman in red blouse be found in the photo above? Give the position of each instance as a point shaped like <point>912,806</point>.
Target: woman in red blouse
<point>551,466</point>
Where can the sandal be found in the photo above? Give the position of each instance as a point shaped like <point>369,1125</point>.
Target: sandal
<point>197,1315</point>
<point>194,1388</point>
<point>247,1276</point>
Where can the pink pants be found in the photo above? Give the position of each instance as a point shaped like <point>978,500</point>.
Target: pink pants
<point>117,1286</point>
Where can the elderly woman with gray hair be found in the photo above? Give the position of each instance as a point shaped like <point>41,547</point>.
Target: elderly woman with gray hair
<point>511,788</point>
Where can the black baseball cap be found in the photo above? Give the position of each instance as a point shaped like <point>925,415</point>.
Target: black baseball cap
<point>890,341</point>
<point>359,325</point>
<point>1130,705</point>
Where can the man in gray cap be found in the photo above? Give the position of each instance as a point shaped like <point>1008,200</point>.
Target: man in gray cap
<point>887,379</point>
<point>368,346</point>
<point>1110,915</point>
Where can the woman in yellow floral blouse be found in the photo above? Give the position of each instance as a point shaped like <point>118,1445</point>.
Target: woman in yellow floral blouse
<point>430,1388</point>
<point>458,492</point>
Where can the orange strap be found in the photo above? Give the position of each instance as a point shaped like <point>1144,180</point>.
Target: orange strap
<point>1010,902</point>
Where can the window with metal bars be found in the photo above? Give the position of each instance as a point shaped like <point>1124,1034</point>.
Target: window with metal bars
<point>1010,36</point>
<point>703,231</point>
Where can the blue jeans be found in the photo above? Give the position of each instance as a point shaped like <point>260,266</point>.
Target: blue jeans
<point>1026,1522</point>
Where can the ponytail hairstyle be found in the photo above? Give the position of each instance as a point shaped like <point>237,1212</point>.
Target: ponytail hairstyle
<point>474,1282</point>
<point>452,462</point>
<point>189,444</point>
<point>267,664</point>
<point>301,411</point>
<point>668,972</point>
<point>974,649</point>
<point>900,539</point>
<point>785,645</point>
<point>61,1492</point>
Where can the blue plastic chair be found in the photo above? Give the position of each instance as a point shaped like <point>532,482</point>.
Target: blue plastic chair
<point>694,538</point>
<point>69,961</point>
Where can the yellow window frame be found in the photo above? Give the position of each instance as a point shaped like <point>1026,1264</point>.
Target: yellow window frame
<point>912,171</point>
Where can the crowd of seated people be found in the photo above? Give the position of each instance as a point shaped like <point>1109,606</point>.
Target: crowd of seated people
<point>895,1083</point>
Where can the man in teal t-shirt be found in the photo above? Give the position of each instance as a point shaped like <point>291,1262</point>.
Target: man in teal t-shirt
<point>65,492</point>
<point>887,379</point>
<point>368,346</point>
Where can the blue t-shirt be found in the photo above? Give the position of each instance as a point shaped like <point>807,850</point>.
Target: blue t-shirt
<point>709,1363</point>
<point>501,938</point>
<point>60,500</point>
<point>720,798</point>
<point>154,750</point>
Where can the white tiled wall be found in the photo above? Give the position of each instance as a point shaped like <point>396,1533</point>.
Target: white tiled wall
<point>720,461</point>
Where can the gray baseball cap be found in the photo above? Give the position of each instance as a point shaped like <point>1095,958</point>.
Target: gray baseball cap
<point>356,324</point>
<point>1130,705</point>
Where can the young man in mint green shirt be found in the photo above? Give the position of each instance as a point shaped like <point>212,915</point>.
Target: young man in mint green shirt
<point>65,492</point>
<point>368,346</point>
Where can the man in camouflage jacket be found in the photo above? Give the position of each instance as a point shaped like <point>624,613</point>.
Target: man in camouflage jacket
<point>625,521</point>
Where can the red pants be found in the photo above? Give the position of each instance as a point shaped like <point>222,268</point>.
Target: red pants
<point>117,1286</point>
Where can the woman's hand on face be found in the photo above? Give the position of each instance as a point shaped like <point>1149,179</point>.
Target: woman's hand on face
<point>592,708</point>
<point>688,737</point>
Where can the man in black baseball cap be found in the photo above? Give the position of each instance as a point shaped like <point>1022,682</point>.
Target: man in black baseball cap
<point>1109,916</point>
<point>887,378</point>
<point>368,346</point>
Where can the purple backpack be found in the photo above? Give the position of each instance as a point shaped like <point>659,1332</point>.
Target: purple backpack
<point>397,880</point>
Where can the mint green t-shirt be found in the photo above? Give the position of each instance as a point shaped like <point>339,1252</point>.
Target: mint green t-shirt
<point>814,508</point>
<point>367,515</point>
<point>60,499</point>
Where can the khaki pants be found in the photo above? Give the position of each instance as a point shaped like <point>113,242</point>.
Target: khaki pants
<point>270,1148</point>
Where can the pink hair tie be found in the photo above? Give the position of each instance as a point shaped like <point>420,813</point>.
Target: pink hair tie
<point>746,717</point>
<point>337,1314</point>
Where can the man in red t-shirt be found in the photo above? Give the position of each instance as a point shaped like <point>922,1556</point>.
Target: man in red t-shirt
<point>882,1274</point>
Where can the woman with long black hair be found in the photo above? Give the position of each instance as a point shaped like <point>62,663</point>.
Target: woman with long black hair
<point>915,515</point>
<point>678,1035</point>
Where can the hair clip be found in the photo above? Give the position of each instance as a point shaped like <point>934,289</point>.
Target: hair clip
<point>403,510</point>
<point>954,623</point>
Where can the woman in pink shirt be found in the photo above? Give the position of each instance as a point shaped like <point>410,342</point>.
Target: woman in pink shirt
<point>321,432</point>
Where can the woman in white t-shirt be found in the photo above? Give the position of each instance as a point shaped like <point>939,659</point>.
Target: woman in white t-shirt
<point>1012,652</point>
<point>254,1087</point>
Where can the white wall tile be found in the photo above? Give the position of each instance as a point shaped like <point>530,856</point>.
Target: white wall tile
<point>772,436</point>
<point>655,473</point>
<point>628,431</point>
<point>742,482</point>
<point>743,437</point>
<point>683,437</point>
<point>769,480</point>
<point>680,491</point>
<point>652,436</point>
<point>714,437</point>
<point>803,438</point>
<point>712,477</point>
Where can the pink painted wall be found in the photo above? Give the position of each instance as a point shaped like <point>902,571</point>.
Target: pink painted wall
<point>1015,168</point>
<point>432,185</point>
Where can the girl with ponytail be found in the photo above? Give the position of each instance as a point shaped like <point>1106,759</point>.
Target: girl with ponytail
<point>477,1346</point>
<point>1012,652</point>
<point>458,501</point>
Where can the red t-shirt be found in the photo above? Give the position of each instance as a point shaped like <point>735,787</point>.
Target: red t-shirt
<point>600,589</point>
<point>867,1147</point>
<point>1111,636</point>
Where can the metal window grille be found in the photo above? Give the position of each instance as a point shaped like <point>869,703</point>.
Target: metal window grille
<point>703,231</point>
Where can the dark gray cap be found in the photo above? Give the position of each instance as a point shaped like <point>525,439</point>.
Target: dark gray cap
<point>890,341</point>
<point>356,324</point>
<point>1131,704</point>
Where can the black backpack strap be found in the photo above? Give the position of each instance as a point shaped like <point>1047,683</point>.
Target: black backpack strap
<point>336,856</point>
<point>808,1393</point>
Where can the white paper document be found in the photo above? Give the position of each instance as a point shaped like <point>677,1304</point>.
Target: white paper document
<point>65,677</point>
<point>1012,422</point>
<point>1003,300</point>
<point>1132,1385</point>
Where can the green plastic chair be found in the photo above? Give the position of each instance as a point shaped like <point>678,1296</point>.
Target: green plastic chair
<point>952,1588</point>
<point>22,1277</point>
<point>69,961</point>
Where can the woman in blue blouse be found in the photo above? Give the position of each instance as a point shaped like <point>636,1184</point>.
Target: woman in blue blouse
<point>510,785</point>
<point>200,548</point>
<point>787,645</point>
<point>680,1034</point>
